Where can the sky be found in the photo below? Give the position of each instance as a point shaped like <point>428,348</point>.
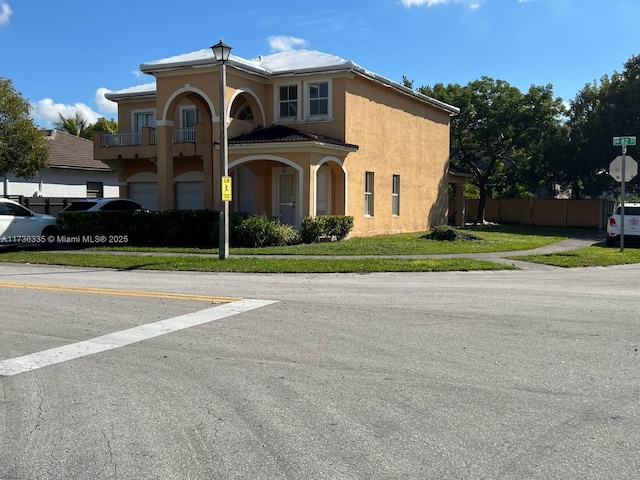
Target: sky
<point>64,56</point>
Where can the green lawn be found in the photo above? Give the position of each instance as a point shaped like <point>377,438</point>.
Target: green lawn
<point>373,249</point>
<point>494,238</point>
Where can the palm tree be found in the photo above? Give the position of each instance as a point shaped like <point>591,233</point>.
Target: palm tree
<point>72,125</point>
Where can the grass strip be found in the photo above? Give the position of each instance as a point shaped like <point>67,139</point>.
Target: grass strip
<point>251,264</point>
<point>594,256</point>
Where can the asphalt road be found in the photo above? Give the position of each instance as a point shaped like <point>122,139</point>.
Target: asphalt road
<point>530,374</point>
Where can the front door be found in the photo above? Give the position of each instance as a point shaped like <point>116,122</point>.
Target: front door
<point>323,188</point>
<point>285,201</point>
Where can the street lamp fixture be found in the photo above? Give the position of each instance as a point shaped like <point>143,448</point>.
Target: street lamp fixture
<point>221,53</point>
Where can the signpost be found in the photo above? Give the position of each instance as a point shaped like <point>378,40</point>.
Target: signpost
<point>622,142</point>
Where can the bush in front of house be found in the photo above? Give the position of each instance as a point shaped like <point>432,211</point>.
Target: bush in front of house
<point>326,228</point>
<point>260,231</point>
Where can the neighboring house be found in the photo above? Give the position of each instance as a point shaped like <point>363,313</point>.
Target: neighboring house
<point>309,134</point>
<point>72,172</point>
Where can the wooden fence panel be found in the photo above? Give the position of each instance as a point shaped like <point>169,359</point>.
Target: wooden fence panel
<point>550,212</point>
<point>589,213</point>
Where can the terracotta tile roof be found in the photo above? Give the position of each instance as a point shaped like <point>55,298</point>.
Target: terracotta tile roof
<point>280,134</point>
<point>69,151</point>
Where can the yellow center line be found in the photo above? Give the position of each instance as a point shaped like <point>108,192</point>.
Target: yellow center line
<point>118,292</point>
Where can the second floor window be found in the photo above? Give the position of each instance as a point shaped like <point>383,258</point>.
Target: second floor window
<point>189,117</point>
<point>143,119</point>
<point>288,101</point>
<point>318,98</point>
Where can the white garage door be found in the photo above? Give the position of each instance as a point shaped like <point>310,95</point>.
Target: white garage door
<point>145,193</point>
<point>189,195</point>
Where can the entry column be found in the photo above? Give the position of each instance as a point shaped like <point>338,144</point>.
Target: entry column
<point>166,197</point>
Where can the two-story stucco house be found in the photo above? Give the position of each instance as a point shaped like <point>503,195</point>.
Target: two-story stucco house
<point>309,134</point>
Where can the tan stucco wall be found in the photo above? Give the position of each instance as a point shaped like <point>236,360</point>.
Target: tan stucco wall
<point>397,135</point>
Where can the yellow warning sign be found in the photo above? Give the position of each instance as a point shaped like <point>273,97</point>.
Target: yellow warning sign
<point>226,189</point>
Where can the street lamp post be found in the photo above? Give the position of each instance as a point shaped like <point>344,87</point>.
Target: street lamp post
<point>221,53</point>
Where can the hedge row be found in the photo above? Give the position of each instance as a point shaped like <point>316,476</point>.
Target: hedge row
<point>199,228</point>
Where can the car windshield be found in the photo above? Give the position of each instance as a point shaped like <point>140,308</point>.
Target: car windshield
<point>79,206</point>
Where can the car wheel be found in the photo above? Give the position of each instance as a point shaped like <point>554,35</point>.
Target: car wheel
<point>50,238</point>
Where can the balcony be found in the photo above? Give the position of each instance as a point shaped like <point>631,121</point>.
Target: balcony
<point>141,144</point>
<point>124,139</point>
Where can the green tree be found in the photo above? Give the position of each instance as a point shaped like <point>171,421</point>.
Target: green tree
<point>23,148</point>
<point>599,112</point>
<point>541,145</point>
<point>500,132</point>
<point>102,125</point>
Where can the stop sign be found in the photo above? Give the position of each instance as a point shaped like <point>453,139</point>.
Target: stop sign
<point>630,168</point>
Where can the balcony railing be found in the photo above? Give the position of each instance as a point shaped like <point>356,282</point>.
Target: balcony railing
<point>121,139</point>
<point>184,135</point>
<point>124,139</point>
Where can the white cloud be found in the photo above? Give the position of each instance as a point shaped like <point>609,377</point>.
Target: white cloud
<point>473,4</point>
<point>47,112</point>
<point>282,43</point>
<point>5,12</point>
<point>136,73</point>
<point>103,104</point>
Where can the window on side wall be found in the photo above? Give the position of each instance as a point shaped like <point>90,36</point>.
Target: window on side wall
<point>318,99</point>
<point>395,196</point>
<point>368,194</point>
<point>288,102</point>
<point>95,190</point>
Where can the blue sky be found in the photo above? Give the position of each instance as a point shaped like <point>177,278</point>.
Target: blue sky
<point>63,56</point>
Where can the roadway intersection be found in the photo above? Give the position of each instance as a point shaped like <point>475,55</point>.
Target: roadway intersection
<point>509,374</point>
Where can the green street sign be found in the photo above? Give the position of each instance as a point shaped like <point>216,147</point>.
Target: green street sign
<point>622,141</point>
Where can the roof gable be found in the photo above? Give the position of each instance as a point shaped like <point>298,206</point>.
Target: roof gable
<point>70,151</point>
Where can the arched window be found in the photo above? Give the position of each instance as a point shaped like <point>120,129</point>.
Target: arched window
<point>245,113</point>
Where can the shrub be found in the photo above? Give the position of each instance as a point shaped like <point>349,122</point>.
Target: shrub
<point>259,231</point>
<point>326,227</point>
<point>286,235</point>
<point>445,233</point>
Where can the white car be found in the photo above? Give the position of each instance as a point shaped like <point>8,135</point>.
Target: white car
<point>102,204</point>
<point>631,224</point>
<point>20,226</point>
